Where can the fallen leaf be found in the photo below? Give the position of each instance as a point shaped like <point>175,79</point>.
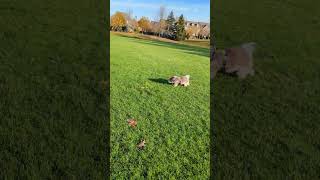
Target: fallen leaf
<point>132,122</point>
<point>141,144</point>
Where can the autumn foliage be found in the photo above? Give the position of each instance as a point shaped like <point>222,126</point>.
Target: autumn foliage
<point>144,24</point>
<point>118,21</point>
<point>171,28</point>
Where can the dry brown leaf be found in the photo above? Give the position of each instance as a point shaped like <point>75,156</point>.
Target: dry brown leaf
<point>141,144</point>
<point>132,122</point>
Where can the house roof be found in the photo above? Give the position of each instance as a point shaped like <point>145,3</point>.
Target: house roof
<point>195,22</point>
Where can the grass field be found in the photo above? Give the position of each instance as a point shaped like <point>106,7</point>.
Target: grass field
<point>53,108</point>
<point>190,42</point>
<point>201,43</point>
<point>267,126</point>
<point>173,121</point>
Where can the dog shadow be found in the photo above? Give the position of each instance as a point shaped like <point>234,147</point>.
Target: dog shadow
<point>159,80</point>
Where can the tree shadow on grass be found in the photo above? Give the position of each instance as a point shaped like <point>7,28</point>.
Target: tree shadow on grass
<point>194,50</point>
<point>185,48</point>
<point>159,80</point>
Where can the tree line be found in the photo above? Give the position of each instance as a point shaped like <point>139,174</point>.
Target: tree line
<point>171,27</point>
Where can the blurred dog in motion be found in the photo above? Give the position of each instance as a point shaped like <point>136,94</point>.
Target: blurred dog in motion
<point>237,60</point>
<point>218,62</point>
<point>183,80</point>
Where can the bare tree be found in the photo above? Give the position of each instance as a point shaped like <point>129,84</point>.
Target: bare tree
<point>162,12</point>
<point>132,23</point>
<point>204,31</point>
<point>130,13</point>
<point>160,20</point>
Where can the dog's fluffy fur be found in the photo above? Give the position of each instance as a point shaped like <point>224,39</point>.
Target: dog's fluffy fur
<point>237,60</point>
<point>217,63</point>
<point>183,80</point>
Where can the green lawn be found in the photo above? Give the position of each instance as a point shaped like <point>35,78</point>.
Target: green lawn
<point>53,108</point>
<point>174,121</point>
<point>201,43</point>
<point>267,126</point>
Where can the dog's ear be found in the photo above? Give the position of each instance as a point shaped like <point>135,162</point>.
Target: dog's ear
<point>171,79</point>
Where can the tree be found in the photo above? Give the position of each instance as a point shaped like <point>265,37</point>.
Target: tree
<point>129,13</point>
<point>193,31</point>
<point>132,24</point>
<point>154,27</point>
<point>204,31</point>
<point>118,21</point>
<point>181,31</point>
<point>162,23</point>
<point>144,24</point>
<point>162,11</point>
<point>189,33</point>
<point>171,22</point>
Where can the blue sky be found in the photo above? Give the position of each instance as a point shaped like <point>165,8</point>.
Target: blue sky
<point>193,10</point>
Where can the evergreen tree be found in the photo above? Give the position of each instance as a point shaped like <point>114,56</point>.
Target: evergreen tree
<point>171,22</point>
<point>181,32</point>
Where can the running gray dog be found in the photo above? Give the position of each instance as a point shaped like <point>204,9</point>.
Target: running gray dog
<point>183,80</point>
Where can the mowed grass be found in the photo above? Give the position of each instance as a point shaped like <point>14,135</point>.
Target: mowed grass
<point>267,126</point>
<point>53,102</point>
<point>201,43</point>
<point>173,121</point>
<point>205,43</point>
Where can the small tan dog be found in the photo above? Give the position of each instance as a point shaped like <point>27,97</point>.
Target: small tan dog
<point>183,80</point>
<point>237,60</point>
